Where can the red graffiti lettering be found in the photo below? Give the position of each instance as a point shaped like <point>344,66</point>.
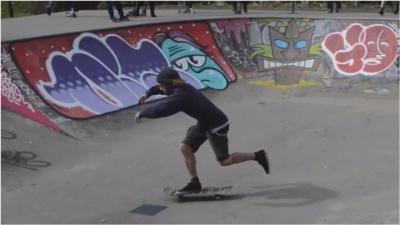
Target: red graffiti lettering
<point>361,49</point>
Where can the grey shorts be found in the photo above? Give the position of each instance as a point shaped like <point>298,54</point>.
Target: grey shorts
<point>195,137</point>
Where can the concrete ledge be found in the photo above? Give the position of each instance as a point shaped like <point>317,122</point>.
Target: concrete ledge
<point>90,20</point>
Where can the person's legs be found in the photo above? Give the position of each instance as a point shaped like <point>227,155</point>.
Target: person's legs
<point>330,6</point>
<point>219,143</point>
<point>244,3</point>
<point>152,8</point>
<point>338,6</point>
<point>50,7</point>
<point>234,6</point>
<point>195,137</point>
<point>110,9</point>
<point>120,11</point>
<point>72,6</point>
<point>187,6</point>
<point>72,12</point>
<point>138,5</point>
<point>50,4</point>
<point>239,157</point>
<point>382,9</point>
<point>190,160</point>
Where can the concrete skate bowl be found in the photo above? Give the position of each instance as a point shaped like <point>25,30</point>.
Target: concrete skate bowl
<point>66,81</point>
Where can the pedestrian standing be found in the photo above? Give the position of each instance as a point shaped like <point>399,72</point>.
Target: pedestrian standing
<point>51,5</point>
<point>338,6</point>
<point>118,6</point>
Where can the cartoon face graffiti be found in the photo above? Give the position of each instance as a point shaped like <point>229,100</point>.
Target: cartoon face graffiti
<point>290,54</point>
<point>185,55</point>
<point>291,47</point>
<point>381,44</point>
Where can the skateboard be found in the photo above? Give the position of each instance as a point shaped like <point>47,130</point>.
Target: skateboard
<point>215,192</point>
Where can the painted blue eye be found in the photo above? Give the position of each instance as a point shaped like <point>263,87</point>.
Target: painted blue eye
<point>300,44</point>
<point>281,43</point>
<point>197,60</point>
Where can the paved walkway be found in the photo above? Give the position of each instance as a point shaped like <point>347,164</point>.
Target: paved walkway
<point>58,23</point>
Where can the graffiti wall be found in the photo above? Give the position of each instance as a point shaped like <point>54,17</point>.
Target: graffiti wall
<point>359,49</point>
<point>291,50</point>
<point>91,74</point>
<point>13,95</point>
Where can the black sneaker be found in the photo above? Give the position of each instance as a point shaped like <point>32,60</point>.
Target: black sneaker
<point>262,159</point>
<point>191,187</point>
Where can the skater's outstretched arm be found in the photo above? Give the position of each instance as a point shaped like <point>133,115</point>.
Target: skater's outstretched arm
<point>155,90</point>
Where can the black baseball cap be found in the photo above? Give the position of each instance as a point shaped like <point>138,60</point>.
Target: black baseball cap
<point>167,75</point>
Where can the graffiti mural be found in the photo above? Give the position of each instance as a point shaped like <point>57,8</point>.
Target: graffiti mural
<point>96,73</point>
<point>309,52</point>
<point>234,41</point>
<point>12,98</point>
<point>282,48</point>
<point>359,49</point>
<point>11,94</point>
<point>104,74</point>
<point>93,73</point>
<point>185,54</point>
<point>289,52</point>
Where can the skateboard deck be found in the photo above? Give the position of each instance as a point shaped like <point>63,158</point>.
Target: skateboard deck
<point>216,192</point>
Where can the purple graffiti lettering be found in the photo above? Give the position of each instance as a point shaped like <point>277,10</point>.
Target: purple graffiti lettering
<point>105,74</point>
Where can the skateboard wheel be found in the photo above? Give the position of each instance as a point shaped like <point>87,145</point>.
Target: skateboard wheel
<point>218,197</point>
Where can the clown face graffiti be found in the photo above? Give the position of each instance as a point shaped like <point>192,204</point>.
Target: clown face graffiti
<point>290,54</point>
<point>186,56</point>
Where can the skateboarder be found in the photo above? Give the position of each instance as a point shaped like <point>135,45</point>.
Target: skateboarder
<point>212,124</point>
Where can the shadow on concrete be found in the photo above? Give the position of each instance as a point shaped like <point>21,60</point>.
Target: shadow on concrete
<point>295,194</point>
<point>283,195</point>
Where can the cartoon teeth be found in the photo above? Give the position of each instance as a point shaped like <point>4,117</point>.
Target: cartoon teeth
<point>302,64</point>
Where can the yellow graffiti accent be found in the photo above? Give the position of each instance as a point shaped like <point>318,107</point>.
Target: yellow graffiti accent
<point>315,49</point>
<point>271,84</point>
<point>263,50</point>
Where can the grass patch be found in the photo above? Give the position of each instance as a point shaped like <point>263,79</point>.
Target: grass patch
<point>19,9</point>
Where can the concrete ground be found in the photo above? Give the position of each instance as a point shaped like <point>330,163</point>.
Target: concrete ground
<point>334,159</point>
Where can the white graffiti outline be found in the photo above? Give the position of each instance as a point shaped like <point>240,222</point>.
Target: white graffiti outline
<point>53,79</point>
<point>11,91</point>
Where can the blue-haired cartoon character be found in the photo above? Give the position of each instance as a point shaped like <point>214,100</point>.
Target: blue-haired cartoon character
<point>184,54</point>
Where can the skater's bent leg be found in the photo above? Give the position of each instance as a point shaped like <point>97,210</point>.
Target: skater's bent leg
<point>190,160</point>
<point>237,157</point>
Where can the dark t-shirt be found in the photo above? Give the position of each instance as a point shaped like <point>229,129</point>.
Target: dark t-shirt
<point>189,100</point>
